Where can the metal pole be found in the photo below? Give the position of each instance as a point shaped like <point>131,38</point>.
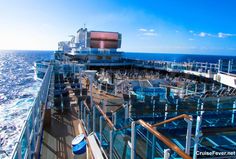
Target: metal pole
<point>115,88</point>
<point>196,88</point>
<point>204,89</point>
<point>81,109</point>
<point>198,134</point>
<point>133,140</point>
<point>94,111</point>
<point>186,90</point>
<point>84,116</point>
<point>188,136</point>
<point>28,139</point>
<point>88,122</point>
<point>166,153</point>
<point>166,113</point>
<point>91,94</point>
<point>19,151</point>
<point>202,111</point>
<point>177,105</point>
<point>234,107</point>
<point>218,105</point>
<point>111,144</point>
<point>153,145</point>
<point>126,112</point>
<point>198,105</point>
<point>100,129</point>
<point>114,118</point>
<point>80,83</point>
<point>153,107</point>
<point>147,145</point>
<point>213,86</point>
<point>229,66</point>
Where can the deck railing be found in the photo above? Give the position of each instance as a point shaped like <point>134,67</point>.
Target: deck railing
<point>116,139</point>
<point>31,131</point>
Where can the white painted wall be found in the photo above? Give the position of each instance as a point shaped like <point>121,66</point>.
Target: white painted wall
<point>226,79</point>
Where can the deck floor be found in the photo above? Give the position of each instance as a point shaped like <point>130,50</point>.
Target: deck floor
<point>58,136</point>
<point>65,126</point>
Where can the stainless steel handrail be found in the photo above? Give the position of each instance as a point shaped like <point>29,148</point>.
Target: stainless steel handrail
<point>183,116</point>
<point>109,122</point>
<point>164,139</point>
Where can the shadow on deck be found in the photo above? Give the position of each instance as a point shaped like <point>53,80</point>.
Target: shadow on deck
<point>57,137</point>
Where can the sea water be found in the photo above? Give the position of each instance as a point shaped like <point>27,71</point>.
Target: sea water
<point>18,89</point>
<point>178,57</point>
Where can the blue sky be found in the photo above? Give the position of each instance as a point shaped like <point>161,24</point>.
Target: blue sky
<point>173,26</point>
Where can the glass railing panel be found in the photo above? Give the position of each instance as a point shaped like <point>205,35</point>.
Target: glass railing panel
<point>149,146</point>
<point>120,118</point>
<point>145,147</point>
<point>105,136</point>
<point>97,119</point>
<point>89,122</point>
<point>23,142</point>
<point>122,143</point>
<point>30,120</point>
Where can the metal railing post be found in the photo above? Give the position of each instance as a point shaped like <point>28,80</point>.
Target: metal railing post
<point>88,128</point>
<point>166,113</point>
<point>188,136</point>
<point>204,89</point>
<point>115,88</point>
<point>100,129</point>
<point>81,109</point>
<point>213,86</point>
<point>166,153</point>
<point>176,106</point>
<point>153,145</point>
<point>198,105</point>
<point>28,139</point>
<point>218,105</point>
<point>198,134</point>
<point>94,116</point>
<point>234,107</point>
<point>196,88</point>
<point>84,116</point>
<point>114,118</point>
<point>186,90</point>
<point>126,112</point>
<point>19,151</point>
<point>111,144</point>
<point>202,107</point>
<point>229,66</point>
<point>133,140</point>
<point>147,145</point>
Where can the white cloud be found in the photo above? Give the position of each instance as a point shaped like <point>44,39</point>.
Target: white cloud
<point>142,30</point>
<point>225,35</point>
<point>202,34</point>
<point>190,39</point>
<point>218,35</point>
<point>150,34</point>
<point>147,32</point>
<point>151,30</point>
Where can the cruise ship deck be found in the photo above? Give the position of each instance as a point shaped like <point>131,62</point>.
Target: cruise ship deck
<point>129,108</point>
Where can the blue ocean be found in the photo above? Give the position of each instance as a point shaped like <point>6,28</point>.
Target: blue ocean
<point>19,87</point>
<point>177,57</point>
